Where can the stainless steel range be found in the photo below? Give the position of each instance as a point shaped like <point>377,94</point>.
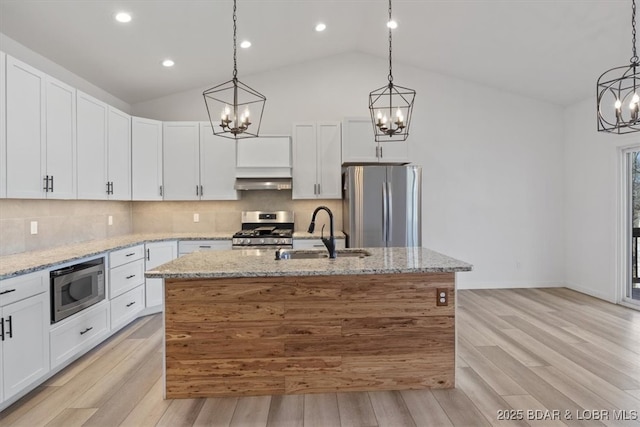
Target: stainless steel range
<point>265,230</point>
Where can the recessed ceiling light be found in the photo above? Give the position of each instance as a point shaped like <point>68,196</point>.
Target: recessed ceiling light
<point>392,24</point>
<point>168,63</point>
<point>123,17</point>
<point>245,44</point>
<point>321,27</point>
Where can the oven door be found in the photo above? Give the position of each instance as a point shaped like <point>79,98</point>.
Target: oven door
<point>76,291</point>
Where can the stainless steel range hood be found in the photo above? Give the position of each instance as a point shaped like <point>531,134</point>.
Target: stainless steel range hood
<point>263,184</point>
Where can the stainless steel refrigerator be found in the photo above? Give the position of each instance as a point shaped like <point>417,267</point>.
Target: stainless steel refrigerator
<point>382,206</point>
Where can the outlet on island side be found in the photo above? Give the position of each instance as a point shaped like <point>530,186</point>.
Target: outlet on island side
<point>196,217</point>
<point>442,297</point>
<point>34,227</point>
<point>110,220</point>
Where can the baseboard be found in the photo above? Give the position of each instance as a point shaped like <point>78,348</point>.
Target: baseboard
<point>590,292</point>
<point>509,285</point>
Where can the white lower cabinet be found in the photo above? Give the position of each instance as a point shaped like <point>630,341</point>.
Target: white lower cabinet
<point>188,246</point>
<point>24,335</point>
<point>315,244</point>
<point>157,253</point>
<point>126,270</point>
<point>77,335</point>
<point>126,307</point>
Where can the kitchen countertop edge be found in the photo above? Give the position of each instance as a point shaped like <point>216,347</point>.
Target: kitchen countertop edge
<point>221,264</point>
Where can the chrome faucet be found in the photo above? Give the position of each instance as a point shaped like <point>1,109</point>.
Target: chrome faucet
<point>330,243</point>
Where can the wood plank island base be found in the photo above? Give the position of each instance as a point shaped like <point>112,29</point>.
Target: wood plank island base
<point>289,331</point>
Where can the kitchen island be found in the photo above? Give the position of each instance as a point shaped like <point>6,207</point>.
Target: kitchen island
<point>250,325</point>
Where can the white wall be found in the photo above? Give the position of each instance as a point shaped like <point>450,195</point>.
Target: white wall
<point>24,54</point>
<point>591,206</point>
<point>493,162</point>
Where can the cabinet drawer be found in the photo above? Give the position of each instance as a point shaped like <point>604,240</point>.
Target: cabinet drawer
<point>21,287</point>
<point>125,307</point>
<point>125,277</point>
<point>186,247</point>
<point>123,256</point>
<point>79,334</point>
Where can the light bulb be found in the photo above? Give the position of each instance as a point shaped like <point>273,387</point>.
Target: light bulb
<point>384,119</point>
<point>392,24</point>
<point>618,104</point>
<point>398,113</point>
<point>123,17</point>
<point>635,100</point>
<point>321,27</point>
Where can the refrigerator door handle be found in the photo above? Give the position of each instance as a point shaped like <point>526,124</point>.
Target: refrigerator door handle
<point>385,212</point>
<point>389,213</point>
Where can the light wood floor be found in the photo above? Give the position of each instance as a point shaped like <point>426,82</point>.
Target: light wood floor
<point>526,350</point>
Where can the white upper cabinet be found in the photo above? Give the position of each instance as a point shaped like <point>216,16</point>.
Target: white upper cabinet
<point>316,160</point>
<point>197,164</point>
<point>92,116</point>
<point>217,165</point>
<point>146,159</point>
<point>104,150</point>
<point>40,134</point>
<point>119,157</point>
<point>359,144</point>
<point>181,142</point>
<point>60,137</point>
<point>3,128</point>
<point>25,130</point>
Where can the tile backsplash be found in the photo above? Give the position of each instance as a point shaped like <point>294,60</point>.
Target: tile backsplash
<point>225,215</point>
<point>62,222</point>
<point>59,222</point>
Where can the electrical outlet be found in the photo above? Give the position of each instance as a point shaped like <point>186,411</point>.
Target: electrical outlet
<point>110,219</point>
<point>196,217</point>
<point>34,227</point>
<point>442,297</point>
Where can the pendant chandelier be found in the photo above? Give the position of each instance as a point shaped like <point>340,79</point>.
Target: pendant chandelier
<point>234,109</point>
<point>619,93</point>
<point>391,105</point>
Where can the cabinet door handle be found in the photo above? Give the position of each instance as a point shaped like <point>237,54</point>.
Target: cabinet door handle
<point>131,276</point>
<point>130,254</point>
<point>161,190</point>
<point>8,291</point>
<point>107,187</point>
<point>201,191</point>
<point>205,246</point>
<point>1,329</point>
<point>45,188</point>
<point>148,255</point>
<point>86,330</point>
<point>131,303</point>
<point>319,189</point>
<point>197,191</point>
<point>381,152</point>
<point>10,330</point>
<point>377,152</point>
<point>111,187</point>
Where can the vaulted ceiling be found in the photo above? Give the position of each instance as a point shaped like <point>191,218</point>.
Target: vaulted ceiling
<point>552,50</point>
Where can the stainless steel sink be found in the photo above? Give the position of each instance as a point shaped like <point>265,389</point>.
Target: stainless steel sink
<point>314,254</point>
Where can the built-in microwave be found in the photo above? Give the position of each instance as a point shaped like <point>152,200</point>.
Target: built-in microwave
<point>76,287</point>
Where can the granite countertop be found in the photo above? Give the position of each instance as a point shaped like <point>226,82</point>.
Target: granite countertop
<point>27,262</point>
<point>203,265</point>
